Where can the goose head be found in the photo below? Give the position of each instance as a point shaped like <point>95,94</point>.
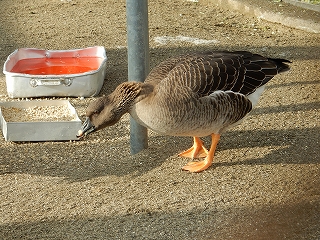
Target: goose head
<point>107,110</point>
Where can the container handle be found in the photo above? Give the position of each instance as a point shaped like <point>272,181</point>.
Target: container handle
<point>35,82</point>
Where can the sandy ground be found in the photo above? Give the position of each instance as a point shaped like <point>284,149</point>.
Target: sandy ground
<point>265,183</point>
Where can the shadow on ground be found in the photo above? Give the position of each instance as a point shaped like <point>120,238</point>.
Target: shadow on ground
<point>43,159</point>
<point>289,221</point>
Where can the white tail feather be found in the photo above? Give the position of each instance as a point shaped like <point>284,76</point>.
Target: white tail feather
<point>254,97</point>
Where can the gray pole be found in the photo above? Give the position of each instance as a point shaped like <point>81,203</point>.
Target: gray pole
<point>138,61</point>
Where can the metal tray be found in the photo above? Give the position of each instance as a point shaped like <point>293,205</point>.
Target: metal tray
<point>40,131</point>
<point>22,84</point>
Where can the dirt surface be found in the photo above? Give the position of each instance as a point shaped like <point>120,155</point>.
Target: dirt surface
<point>265,183</point>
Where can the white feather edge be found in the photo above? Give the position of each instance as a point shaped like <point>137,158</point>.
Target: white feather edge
<point>254,97</point>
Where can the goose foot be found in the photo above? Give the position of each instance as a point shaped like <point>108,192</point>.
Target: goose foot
<point>204,164</point>
<point>198,150</point>
<point>197,166</point>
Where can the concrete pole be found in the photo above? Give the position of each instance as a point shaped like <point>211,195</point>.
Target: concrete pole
<point>138,61</point>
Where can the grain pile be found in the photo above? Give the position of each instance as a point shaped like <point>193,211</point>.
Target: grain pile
<point>37,114</point>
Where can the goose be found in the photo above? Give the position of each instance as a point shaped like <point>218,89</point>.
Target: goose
<point>196,95</point>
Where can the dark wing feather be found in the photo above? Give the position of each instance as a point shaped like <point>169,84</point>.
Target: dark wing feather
<point>205,73</point>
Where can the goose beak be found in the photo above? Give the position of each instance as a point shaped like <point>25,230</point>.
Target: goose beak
<point>87,127</point>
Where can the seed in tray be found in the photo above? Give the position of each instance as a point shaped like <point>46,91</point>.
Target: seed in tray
<point>37,114</point>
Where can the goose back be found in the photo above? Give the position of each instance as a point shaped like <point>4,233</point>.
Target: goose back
<point>204,73</point>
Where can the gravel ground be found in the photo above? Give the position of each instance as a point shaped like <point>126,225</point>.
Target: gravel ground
<point>265,183</point>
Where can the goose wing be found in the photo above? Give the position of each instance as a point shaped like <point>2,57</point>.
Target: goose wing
<point>204,73</point>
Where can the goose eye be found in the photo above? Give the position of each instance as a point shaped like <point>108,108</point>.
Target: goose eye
<point>96,111</point>
<point>93,113</point>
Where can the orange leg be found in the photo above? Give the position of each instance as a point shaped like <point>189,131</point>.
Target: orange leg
<point>203,165</point>
<point>197,150</point>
